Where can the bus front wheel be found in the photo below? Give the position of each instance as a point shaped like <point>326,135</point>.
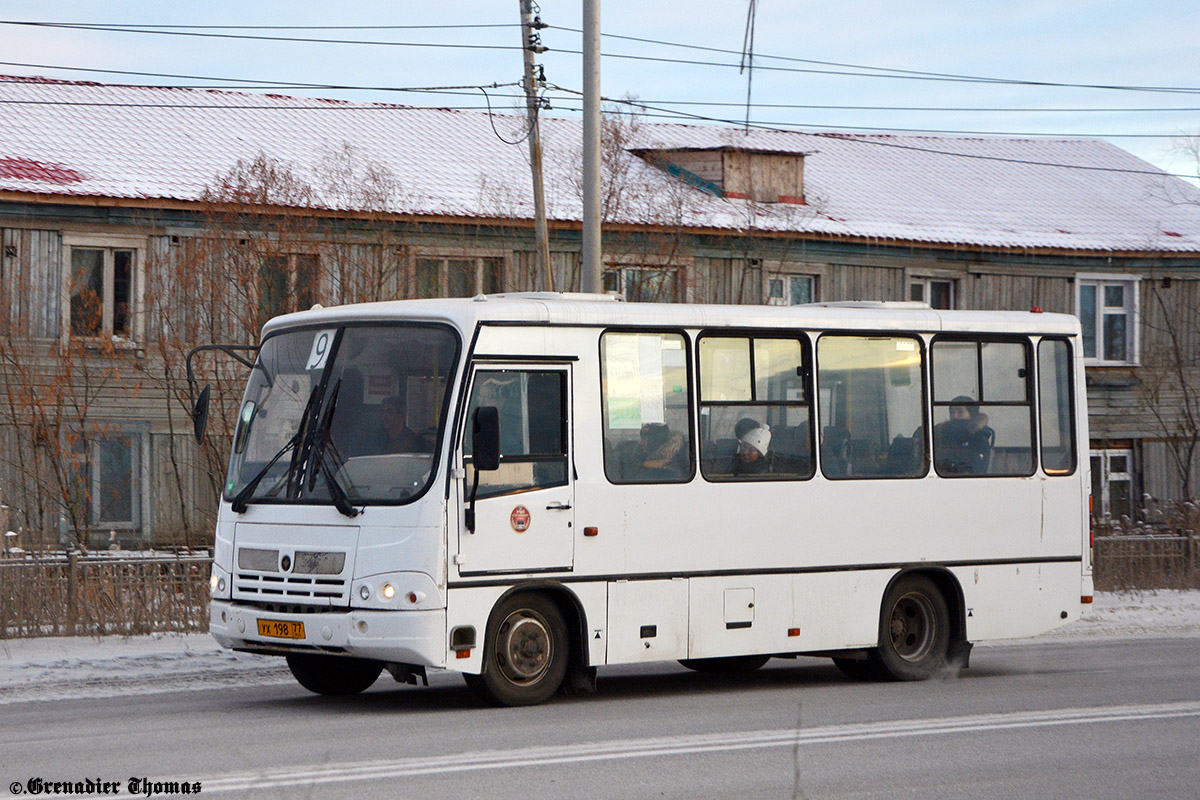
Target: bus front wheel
<point>524,654</point>
<point>333,675</point>
<point>914,630</point>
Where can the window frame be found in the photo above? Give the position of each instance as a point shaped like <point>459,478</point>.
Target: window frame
<point>478,278</point>
<point>1030,402</point>
<point>923,347</point>
<point>108,244</point>
<point>691,388</point>
<point>787,278</point>
<point>1101,505</point>
<point>750,335</point>
<point>88,463</point>
<point>1130,309</point>
<point>1071,408</point>
<point>926,283</point>
<point>621,272</point>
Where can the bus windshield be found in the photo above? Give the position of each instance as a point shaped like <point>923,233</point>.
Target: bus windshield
<point>342,414</point>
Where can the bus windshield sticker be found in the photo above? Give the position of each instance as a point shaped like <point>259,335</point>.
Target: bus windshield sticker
<point>320,350</point>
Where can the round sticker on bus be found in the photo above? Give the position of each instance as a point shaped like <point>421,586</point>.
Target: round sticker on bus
<point>519,519</point>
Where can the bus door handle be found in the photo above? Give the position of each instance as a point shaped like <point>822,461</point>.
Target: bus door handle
<point>556,506</point>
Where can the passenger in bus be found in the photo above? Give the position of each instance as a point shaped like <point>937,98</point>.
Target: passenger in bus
<point>962,444</point>
<point>658,450</point>
<point>753,448</point>
<point>394,435</point>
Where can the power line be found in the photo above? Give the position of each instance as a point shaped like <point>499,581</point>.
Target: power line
<point>878,72</point>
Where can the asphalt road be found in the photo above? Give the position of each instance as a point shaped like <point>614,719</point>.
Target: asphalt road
<point>1109,719</point>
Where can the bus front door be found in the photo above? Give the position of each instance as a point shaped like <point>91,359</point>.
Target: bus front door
<point>523,512</point>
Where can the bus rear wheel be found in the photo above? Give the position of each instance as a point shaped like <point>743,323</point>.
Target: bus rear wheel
<point>333,675</point>
<point>729,665</point>
<point>914,630</point>
<point>524,654</point>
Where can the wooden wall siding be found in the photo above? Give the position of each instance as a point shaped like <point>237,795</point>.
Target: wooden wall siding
<point>1160,475</point>
<point>1015,292</point>
<point>850,282</point>
<point>1176,306</point>
<point>180,506</point>
<point>33,281</point>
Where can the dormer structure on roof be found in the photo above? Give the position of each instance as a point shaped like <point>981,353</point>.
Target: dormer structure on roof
<point>738,173</point>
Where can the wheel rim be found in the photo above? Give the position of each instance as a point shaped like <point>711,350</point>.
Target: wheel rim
<point>913,626</point>
<point>524,647</point>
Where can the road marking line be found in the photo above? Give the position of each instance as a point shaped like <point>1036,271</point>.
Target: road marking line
<point>685,745</point>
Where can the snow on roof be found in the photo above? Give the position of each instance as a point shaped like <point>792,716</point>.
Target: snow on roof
<point>98,140</point>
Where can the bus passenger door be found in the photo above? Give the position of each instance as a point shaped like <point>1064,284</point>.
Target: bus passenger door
<point>524,511</point>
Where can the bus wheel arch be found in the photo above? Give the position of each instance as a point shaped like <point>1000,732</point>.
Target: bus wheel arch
<point>532,645</point>
<point>921,626</point>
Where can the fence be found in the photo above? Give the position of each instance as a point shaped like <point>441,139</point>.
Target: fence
<point>1154,561</point>
<point>66,594</point>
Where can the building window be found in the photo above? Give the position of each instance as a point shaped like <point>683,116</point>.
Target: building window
<point>107,475</point>
<point>937,293</point>
<point>458,277</point>
<point>645,284</point>
<point>1112,483</point>
<point>1106,308</point>
<point>790,290</point>
<point>103,291</point>
<point>288,282</point>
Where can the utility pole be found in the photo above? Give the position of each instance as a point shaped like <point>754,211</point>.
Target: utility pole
<point>531,45</point>
<point>590,279</point>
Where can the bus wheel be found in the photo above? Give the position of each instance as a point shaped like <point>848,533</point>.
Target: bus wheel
<point>730,665</point>
<point>525,653</point>
<point>334,675</point>
<point>914,630</point>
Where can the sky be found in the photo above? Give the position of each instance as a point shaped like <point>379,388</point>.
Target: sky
<point>1151,43</point>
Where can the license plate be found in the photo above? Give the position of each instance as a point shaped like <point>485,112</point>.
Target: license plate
<point>280,629</point>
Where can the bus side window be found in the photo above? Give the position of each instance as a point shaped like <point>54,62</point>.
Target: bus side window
<point>1054,407</point>
<point>646,409</point>
<point>982,407</point>
<point>871,404</point>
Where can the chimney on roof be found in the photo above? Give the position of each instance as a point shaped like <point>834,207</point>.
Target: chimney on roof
<point>764,176</point>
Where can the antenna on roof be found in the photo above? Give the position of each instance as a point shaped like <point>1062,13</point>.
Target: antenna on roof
<point>747,64</point>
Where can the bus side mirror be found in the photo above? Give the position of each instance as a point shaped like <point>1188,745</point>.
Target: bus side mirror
<point>200,413</point>
<point>485,439</point>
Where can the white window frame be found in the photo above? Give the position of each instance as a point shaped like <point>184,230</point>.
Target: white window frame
<point>786,278</point>
<point>926,284</point>
<point>479,259</point>
<point>1133,345</point>
<point>1101,505</point>
<point>107,243</point>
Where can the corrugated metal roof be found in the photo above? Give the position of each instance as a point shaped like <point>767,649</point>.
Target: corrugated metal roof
<point>97,140</point>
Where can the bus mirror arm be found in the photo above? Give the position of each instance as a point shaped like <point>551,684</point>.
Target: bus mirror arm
<point>485,452</point>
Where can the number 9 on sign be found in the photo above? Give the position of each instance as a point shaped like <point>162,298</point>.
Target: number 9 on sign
<point>320,350</point>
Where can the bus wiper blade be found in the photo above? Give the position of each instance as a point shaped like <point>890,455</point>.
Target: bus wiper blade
<point>239,500</point>
<point>323,445</point>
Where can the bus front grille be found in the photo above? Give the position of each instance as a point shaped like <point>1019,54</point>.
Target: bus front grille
<point>291,588</point>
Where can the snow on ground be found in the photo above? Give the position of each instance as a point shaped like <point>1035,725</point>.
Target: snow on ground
<point>56,668</point>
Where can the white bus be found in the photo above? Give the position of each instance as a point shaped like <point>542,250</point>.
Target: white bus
<point>526,487</point>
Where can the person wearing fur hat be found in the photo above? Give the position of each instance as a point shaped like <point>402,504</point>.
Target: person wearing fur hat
<point>753,444</point>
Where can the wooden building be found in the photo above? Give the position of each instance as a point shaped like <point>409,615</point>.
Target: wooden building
<point>138,222</point>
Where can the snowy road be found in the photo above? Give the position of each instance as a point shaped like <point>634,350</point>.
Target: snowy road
<point>1109,707</point>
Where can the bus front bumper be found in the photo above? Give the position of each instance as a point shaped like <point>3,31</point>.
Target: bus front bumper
<point>404,637</point>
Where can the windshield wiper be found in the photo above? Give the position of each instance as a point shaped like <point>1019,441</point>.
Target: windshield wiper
<point>322,445</point>
<point>239,500</point>
<point>238,503</point>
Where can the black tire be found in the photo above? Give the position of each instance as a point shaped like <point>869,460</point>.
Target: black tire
<point>914,630</point>
<point>729,665</point>
<point>333,675</point>
<point>525,652</point>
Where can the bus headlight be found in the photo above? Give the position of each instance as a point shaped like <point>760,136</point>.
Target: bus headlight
<point>388,591</point>
<point>218,582</point>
